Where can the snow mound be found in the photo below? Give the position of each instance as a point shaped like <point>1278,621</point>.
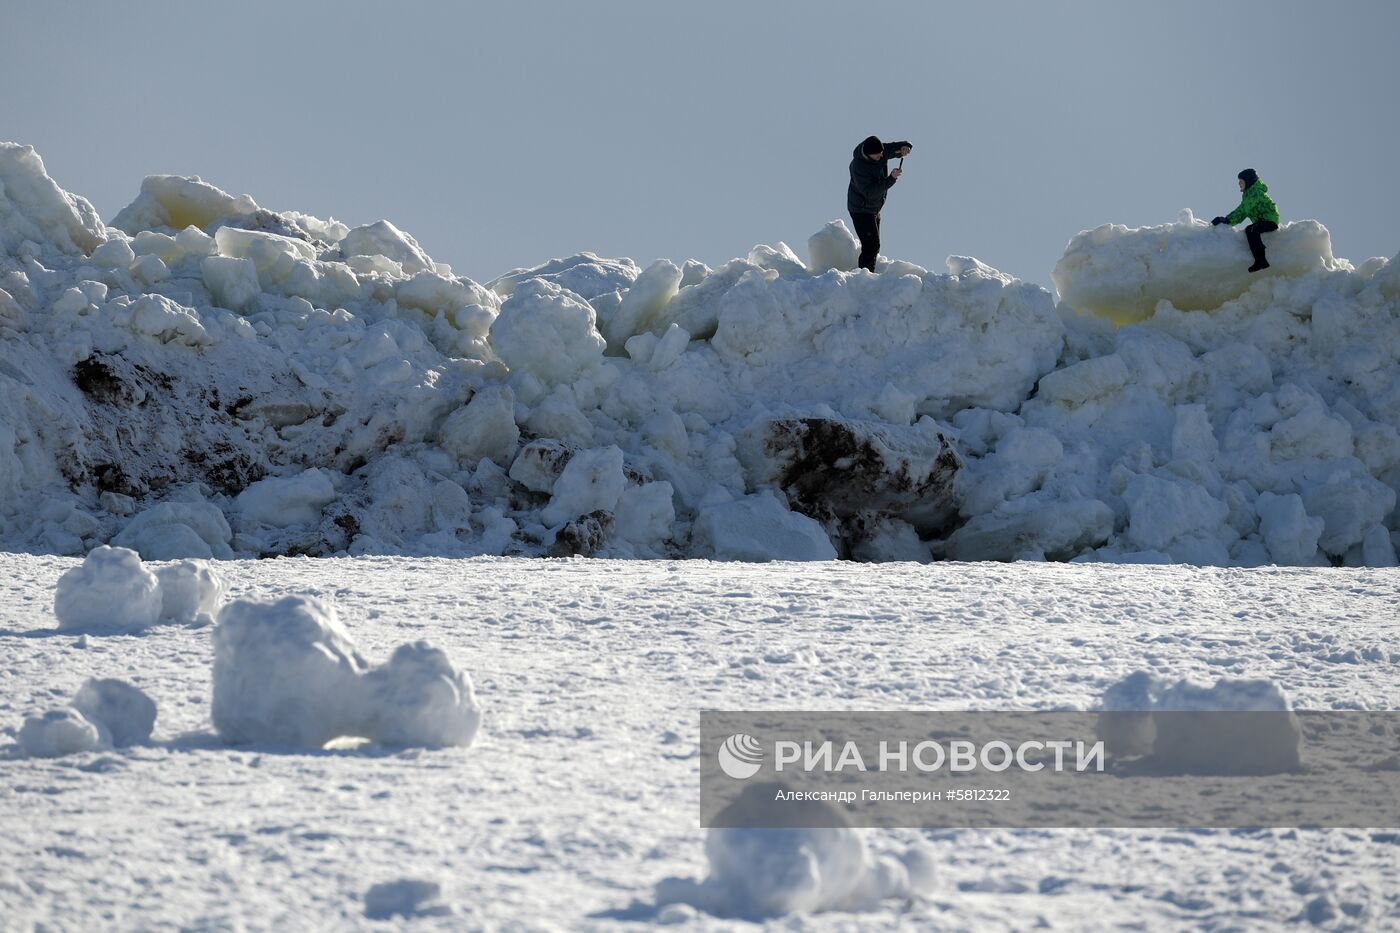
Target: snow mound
<point>172,530</point>
<point>288,673</point>
<point>760,528</point>
<point>103,713</point>
<point>59,732</point>
<point>109,590</point>
<point>189,590</point>
<point>1123,272</point>
<point>756,874</point>
<point>418,698</point>
<point>1236,726</point>
<point>126,712</point>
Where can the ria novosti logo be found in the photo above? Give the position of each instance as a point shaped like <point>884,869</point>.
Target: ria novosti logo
<point>740,756</point>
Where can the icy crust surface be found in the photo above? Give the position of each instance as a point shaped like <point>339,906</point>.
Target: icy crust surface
<point>206,378</point>
<point>575,806</point>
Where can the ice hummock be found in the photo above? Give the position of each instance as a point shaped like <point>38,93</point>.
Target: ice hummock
<point>205,378</point>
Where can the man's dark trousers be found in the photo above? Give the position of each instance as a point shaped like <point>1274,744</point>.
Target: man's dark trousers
<point>1251,233</point>
<point>868,229</point>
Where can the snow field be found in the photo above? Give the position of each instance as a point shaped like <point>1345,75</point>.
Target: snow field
<point>204,377</point>
<point>576,806</point>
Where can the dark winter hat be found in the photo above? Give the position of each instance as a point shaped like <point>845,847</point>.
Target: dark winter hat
<point>1249,176</point>
<point>872,146</point>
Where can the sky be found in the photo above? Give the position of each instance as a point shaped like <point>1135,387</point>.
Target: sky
<point>501,135</point>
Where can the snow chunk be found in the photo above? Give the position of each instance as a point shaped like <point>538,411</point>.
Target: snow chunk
<point>232,282</point>
<point>33,207</point>
<point>434,294</point>
<point>179,202</point>
<point>167,321</point>
<point>539,464</point>
<point>285,672</point>
<point>188,589</point>
<point>1034,529</point>
<point>1265,741</point>
<point>833,247</point>
<point>274,256</point>
<point>59,732</point>
<point>382,238</point>
<point>173,530</point>
<point>1289,534</point>
<point>819,864</point>
<point>781,259</point>
<point>418,698</point>
<point>760,528</point>
<point>1163,510</point>
<point>558,417</point>
<point>592,480</point>
<point>1237,726</point>
<point>644,514</point>
<point>124,711</point>
<point>644,304</point>
<point>1349,501</point>
<point>288,673</point>
<point>287,501</point>
<point>1123,272</point>
<point>110,589</point>
<point>584,274</point>
<point>116,253</point>
<point>548,333</point>
<point>1082,382</point>
<point>484,428</point>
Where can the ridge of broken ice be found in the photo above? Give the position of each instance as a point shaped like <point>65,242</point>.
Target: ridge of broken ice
<point>208,378</point>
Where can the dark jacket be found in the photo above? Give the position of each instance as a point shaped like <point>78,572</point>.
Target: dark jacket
<point>870,180</point>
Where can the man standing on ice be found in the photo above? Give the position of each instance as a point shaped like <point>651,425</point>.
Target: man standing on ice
<point>871,179</point>
<point>1258,207</point>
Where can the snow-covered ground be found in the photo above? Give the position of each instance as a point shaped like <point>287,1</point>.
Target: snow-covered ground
<point>579,794</point>
<point>203,377</point>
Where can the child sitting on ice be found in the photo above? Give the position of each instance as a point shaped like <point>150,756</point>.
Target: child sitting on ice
<point>1258,207</point>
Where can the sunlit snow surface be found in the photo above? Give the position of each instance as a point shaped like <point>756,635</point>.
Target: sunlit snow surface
<point>580,793</point>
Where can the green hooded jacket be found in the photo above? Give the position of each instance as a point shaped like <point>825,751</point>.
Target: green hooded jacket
<point>1256,205</point>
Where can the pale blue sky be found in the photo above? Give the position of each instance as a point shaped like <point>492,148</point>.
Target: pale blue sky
<point>502,134</point>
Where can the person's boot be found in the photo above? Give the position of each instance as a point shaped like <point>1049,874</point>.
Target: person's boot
<point>1259,265</point>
